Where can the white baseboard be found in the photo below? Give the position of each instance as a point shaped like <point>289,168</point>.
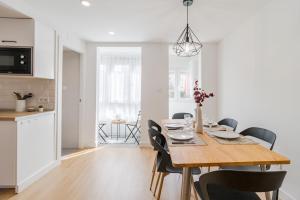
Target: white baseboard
<point>283,195</point>
<point>37,175</point>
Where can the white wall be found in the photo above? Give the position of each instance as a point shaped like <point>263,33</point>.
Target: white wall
<point>155,85</point>
<point>70,99</point>
<point>209,65</point>
<point>154,97</point>
<point>259,79</point>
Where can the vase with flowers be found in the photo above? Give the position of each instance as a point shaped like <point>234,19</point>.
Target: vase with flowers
<point>199,96</point>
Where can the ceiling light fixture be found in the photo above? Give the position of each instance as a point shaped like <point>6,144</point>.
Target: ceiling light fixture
<point>188,43</point>
<point>85,3</point>
<point>111,33</point>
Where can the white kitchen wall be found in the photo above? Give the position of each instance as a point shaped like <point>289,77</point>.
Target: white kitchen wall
<point>259,80</point>
<point>43,92</point>
<point>154,97</point>
<point>70,99</point>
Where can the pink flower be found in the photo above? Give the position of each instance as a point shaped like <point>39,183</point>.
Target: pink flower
<point>200,95</point>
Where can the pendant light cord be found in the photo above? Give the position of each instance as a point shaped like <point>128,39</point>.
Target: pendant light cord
<point>187,14</point>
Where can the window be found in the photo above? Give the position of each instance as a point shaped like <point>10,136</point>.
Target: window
<point>172,85</point>
<point>119,83</point>
<point>180,85</point>
<point>184,84</point>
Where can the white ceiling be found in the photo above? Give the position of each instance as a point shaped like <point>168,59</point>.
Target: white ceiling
<point>146,20</point>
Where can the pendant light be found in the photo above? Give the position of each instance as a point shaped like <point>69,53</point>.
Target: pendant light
<point>188,43</point>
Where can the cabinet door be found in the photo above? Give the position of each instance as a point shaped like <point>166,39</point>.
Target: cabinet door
<point>44,51</point>
<point>16,32</point>
<point>35,145</point>
<point>8,148</point>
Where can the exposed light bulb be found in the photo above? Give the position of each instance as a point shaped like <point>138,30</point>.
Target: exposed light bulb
<point>85,3</point>
<point>187,47</point>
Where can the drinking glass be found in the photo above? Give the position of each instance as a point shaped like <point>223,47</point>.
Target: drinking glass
<point>188,121</point>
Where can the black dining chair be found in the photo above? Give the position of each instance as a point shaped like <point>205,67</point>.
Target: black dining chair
<point>164,163</point>
<point>153,125</point>
<point>259,133</point>
<point>238,185</point>
<point>229,122</point>
<point>181,115</point>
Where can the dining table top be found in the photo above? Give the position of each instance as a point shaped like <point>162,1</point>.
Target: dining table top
<point>214,153</point>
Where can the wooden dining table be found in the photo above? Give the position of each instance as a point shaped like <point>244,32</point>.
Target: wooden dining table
<point>215,154</point>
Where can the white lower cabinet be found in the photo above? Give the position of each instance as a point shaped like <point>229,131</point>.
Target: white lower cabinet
<point>32,150</point>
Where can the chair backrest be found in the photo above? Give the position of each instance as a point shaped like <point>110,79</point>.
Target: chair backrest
<point>244,181</point>
<point>160,144</point>
<point>262,134</point>
<point>156,136</point>
<point>181,115</point>
<point>138,118</point>
<point>229,122</point>
<point>152,124</point>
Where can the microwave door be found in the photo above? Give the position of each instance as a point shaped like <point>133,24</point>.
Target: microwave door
<point>15,61</point>
<point>7,63</point>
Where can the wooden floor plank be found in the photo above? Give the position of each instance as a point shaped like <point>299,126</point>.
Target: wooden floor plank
<point>108,173</point>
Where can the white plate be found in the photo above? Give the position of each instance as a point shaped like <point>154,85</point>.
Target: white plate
<point>174,126</point>
<point>181,136</point>
<point>226,134</point>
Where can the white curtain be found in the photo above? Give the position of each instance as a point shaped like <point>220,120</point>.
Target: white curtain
<point>119,85</point>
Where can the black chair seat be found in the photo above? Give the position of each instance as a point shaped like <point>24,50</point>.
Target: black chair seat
<point>175,170</point>
<point>243,168</point>
<point>218,192</point>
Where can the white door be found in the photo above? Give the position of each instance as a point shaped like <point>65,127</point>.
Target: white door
<point>70,99</point>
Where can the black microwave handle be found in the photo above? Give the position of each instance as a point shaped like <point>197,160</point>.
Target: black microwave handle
<point>9,41</point>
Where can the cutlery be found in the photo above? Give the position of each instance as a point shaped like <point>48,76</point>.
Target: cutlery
<point>183,142</point>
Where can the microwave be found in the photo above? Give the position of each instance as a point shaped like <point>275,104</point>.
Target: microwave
<point>16,60</point>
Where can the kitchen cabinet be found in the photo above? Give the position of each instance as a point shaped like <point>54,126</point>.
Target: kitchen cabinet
<point>16,32</point>
<point>27,149</point>
<point>44,51</point>
<point>32,33</point>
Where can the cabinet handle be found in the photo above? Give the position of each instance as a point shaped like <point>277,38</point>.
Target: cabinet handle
<point>9,41</point>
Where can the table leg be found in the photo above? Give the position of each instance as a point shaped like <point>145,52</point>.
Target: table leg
<point>186,184</point>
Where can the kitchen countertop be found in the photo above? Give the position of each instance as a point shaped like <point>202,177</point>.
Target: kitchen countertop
<point>10,115</point>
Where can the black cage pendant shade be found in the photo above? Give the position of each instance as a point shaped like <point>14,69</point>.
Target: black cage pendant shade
<point>188,43</point>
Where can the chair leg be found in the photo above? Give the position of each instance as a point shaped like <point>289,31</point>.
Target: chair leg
<point>157,181</point>
<point>194,189</point>
<point>161,185</point>
<point>153,173</point>
<point>131,133</point>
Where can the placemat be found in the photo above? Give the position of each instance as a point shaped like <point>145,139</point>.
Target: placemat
<point>240,140</point>
<point>196,141</point>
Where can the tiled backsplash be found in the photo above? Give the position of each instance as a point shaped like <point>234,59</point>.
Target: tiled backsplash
<point>43,91</point>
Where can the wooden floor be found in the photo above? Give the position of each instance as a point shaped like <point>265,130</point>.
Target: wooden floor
<point>108,173</point>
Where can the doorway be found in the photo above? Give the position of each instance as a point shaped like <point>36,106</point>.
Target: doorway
<point>183,72</point>
<point>70,101</point>
<point>118,95</point>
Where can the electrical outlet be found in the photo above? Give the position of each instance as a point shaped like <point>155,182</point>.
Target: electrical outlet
<point>44,100</point>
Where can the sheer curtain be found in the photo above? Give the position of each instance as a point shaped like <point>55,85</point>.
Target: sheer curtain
<point>119,85</point>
